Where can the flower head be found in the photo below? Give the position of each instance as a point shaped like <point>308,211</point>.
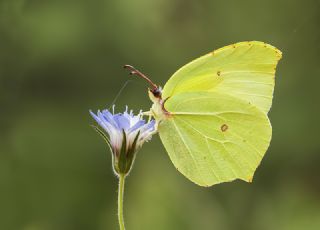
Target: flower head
<point>125,133</point>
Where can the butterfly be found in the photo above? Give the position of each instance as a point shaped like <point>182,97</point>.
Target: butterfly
<point>212,114</point>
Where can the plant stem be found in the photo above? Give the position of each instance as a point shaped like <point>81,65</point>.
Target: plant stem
<point>120,201</point>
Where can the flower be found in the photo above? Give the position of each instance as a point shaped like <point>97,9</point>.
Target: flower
<point>125,133</point>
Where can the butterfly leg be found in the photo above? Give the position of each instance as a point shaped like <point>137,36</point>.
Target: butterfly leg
<point>155,128</point>
<point>149,114</point>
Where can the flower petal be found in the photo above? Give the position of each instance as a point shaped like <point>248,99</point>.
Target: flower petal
<point>136,126</point>
<point>122,121</point>
<point>109,117</point>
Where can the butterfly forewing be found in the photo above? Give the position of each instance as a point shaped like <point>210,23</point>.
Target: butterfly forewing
<point>245,70</point>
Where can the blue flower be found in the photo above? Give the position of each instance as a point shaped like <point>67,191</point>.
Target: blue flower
<point>125,133</point>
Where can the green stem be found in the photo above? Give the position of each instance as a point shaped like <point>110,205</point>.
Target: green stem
<point>120,201</point>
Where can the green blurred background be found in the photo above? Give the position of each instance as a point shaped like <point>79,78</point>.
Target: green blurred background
<point>58,59</point>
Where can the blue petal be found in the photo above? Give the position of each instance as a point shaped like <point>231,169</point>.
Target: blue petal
<point>127,115</point>
<point>122,121</point>
<point>108,117</point>
<point>100,121</point>
<point>150,126</point>
<point>147,129</point>
<point>94,116</point>
<point>138,125</point>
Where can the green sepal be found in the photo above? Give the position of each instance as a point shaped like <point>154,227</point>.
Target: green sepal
<point>121,161</point>
<point>131,154</point>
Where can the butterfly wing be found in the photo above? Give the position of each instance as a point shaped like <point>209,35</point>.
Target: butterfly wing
<point>213,138</point>
<point>245,70</point>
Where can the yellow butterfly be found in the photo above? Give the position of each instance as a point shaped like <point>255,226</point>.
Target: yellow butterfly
<point>212,113</point>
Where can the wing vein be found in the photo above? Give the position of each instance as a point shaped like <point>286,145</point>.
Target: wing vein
<point>246,71</point>
<point>247,81</point>
<point>208,113</point>
<point>223,144</point>
<point>249,144</point>
<point>189,151</point>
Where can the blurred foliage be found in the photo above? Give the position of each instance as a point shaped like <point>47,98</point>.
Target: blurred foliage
<point>58,59</point>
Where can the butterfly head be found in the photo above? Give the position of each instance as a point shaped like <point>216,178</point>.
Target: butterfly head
<point>157,92</point>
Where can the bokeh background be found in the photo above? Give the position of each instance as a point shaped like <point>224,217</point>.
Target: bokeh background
<point>58,59</point>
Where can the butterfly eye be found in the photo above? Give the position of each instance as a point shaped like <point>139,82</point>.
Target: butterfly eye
<point>156,92</point>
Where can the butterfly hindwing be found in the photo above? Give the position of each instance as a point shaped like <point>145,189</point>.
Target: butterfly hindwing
<point>213,138</point>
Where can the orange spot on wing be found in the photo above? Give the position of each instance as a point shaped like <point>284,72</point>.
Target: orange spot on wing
<point>224,127</point>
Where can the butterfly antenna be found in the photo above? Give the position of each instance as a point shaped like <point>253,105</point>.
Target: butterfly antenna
<point>134,71</point>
